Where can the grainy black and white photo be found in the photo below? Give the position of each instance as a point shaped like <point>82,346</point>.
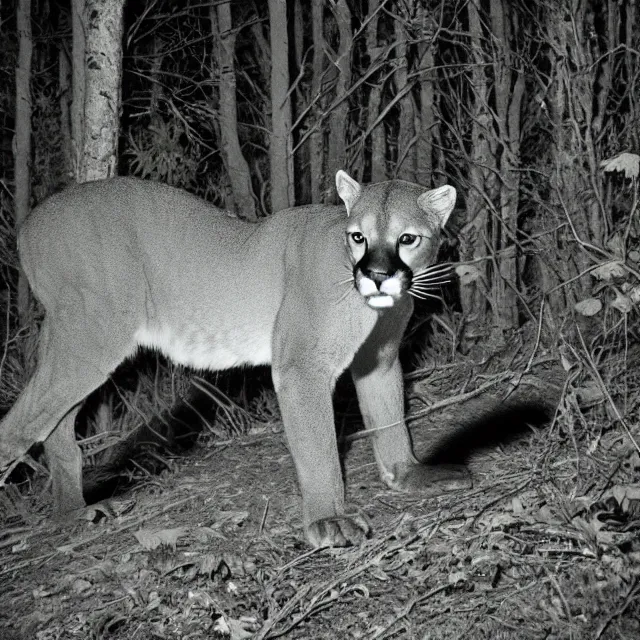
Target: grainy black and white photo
<point>319,319</point>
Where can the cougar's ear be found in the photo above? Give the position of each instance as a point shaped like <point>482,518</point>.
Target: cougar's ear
<point>348,189</point>
<point>439,201</point>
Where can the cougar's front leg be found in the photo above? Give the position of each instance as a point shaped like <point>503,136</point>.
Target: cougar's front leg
<point>303,384</point>
<point>379,384</point>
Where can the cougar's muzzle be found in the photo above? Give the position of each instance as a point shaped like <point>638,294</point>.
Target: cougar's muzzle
<point>381,277</point>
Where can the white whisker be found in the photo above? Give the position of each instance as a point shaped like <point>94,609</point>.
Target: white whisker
<point>422,295</point>
<point>425,277</point>
<point>431,283</point>
<point>426,292</point>
<point>436,268</point>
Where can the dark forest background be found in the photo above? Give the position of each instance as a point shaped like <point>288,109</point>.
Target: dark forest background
<point>531,109</point>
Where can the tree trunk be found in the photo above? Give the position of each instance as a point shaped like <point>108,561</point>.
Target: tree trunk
<point>103,25</point>
<point>78,83</point>
<point>64,79</point>
<point>474,237</point>
<point>571,108</point>
<point>316,139</point>
<point>302,157</point>
<point>225,74</point>
<point>156,85</point>
<point>378,138</point>
<point>508,91</point>
<point>425,119</point>
<point>338,118</point>
<point>281,160</point>
<point>405,163</point>
<point>22,139</point>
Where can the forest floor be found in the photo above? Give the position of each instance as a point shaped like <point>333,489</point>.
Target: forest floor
<point>545,545</point>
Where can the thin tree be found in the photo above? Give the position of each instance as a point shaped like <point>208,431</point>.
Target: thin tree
<point>280,156</point>
<point>22,140</point>
<point>426,119</point>
<point>406,149</point>
<point>316,139</point>
<point>77,82</point>
<point>97,99</point>
<point>224,70</point>
<point>341,72</point>
<point>377,57</point>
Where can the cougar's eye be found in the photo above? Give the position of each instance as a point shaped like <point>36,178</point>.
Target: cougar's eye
<point>409,239</point>
<point>357,237</point>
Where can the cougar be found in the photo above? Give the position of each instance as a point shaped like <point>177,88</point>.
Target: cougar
<point>313,290</point>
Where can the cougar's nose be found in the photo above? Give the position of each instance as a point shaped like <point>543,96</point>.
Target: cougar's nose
<point>378,276</point>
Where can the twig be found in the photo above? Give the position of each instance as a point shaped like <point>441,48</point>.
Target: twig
<point>407,609</point>
<point>632,594</point>
<point>604,390</point>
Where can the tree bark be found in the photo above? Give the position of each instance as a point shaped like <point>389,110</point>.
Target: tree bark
<point>156,86</point>
<point>425,119</point>
<point>78,83</point>
<point>22,139</point>
<point>338,118</point>
<point>225,74</point>
<point>302,157</point>
<point>474,237</point>
<point>103,26</point>
<point>316,139</point>
<point>281,160</point>
<point>64,78</point>
<point>508,91</point>
<point>377,135</point>
<point>405,163</point>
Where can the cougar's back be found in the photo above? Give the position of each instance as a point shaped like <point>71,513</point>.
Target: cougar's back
<point>165,262</point>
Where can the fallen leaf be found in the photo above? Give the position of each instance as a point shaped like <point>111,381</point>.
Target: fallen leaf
<point>467,273</point>
<point>457,576</point>
<point>622,303</point>
<point>628,163</point>
<point>588,307</point>
<point>153,539</point>
<point>609,270</point>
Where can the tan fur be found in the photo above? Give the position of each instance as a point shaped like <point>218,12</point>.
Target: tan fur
<point>122,263</point>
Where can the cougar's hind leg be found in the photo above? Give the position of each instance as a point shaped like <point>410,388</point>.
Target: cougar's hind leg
<point>65,465</point>
<point>76,354</point>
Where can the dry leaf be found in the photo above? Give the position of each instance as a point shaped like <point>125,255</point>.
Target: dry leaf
<point>588,307</point>
<point>628,163</point>
<point>623,494</point>
<point>609,270</point>
<point>153,539</point>
<point>622,303</point>
<point>589,394</point>
<point>634,294</point>
<point>457,576</point>
<point>467,273</point>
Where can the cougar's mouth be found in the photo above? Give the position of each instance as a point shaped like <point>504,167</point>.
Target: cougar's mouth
<point>379,291</point>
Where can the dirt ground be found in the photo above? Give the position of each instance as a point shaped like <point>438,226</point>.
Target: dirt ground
<point>545,545</point>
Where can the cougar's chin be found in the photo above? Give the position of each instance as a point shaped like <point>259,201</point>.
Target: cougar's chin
<point>380,302</point>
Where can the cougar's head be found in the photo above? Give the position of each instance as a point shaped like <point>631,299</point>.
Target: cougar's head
<point>392,237</point>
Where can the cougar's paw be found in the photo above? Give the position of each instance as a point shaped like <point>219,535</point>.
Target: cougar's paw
<point>339,531</point>
<point>432,479</point>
